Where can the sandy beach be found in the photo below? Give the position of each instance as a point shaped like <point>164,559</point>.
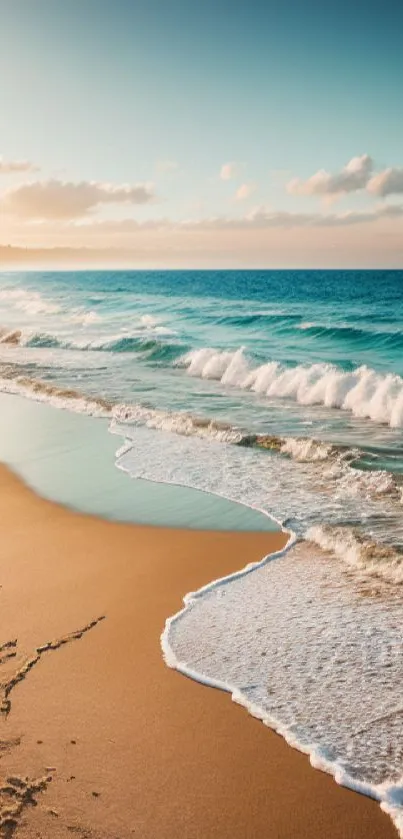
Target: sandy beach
<point>115,744</point>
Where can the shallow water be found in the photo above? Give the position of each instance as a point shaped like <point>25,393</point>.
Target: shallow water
<point>70,458</point>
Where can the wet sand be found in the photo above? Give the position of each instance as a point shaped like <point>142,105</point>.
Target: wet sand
<point>115,744</point>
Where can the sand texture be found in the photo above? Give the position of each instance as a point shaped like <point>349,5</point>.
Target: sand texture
<point>98,737</point>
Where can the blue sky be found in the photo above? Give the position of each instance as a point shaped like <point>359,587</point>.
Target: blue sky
<point>110,91</point>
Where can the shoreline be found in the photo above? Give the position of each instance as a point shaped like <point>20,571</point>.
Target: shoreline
<point>70,458</point>
<point>130,746</point>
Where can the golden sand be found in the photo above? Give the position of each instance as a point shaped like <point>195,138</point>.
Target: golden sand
<point>106,739</point>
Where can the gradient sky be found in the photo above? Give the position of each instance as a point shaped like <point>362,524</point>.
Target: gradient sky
<point>122,112</point>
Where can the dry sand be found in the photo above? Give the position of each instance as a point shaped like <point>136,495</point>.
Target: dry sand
<point>114,743</point>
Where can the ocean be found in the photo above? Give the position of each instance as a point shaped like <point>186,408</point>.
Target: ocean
<point>282,391</point>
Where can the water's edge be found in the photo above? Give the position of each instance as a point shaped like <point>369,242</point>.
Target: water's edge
<point>316,759</point>
<point>170,658</point>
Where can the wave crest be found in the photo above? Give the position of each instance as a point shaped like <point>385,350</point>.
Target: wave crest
<point>30,302</point>
<point>151,344</point>
<point>358,551</point>
<point>178,423</point>
<point>365,337</point>
<point>67,398</point>
<point>363,392</point>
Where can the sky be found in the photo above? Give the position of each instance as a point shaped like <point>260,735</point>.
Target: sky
<point>204,134</point>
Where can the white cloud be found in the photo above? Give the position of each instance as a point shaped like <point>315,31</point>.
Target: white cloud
<point>9,167</point>
<point>65,200</point>
<point>245,191</point>
<point>262,218</point>
<point>229,171</point>
<point>353,177</point>
<point>388,182</point>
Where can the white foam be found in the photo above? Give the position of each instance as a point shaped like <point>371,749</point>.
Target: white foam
<point>30,302</point>
<point>304,617</point>
<point>313,656</point>
<point>150,323</point>
<point>358,551</point>
<point>149,320</point>
<point>332,465</point>
<point>101,343</point>
<point>329,472</point>
<point>122,416</point>
<point>306,450</point>
<point>178,423</point>
<point>207,363</point>
<point>377,484</point>
<point>303,492</point>
<point>86,318</point>
<point>57,397</point>
<point>329,679</point>
<point>363,392</point>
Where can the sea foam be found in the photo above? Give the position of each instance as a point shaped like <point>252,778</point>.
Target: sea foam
<point>363,392</point>
<point>326,468</point>
<point>358,551</point>
<point>30,302</point>
<point>312,654</point>
<point>309,640</point>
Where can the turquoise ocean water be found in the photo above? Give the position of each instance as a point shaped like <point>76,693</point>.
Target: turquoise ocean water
<point>70,458</point>
<point>279,390</point>
<point>311,360</point>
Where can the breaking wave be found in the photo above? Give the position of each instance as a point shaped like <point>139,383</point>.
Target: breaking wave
<point>60,397</point>
<point>177,423</point>
<point>331,463</point>
<point>159,349</point>
<point>74,400</point>
<point>358,551</point>
<point>363,392</point>
<point>30,302</point>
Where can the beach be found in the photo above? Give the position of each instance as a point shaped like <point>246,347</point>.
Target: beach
<point>201,420</point>
<point>121,744</point>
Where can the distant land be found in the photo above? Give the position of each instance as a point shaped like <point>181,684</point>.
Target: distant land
<point>14,257</point>
<point>59,258</point>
